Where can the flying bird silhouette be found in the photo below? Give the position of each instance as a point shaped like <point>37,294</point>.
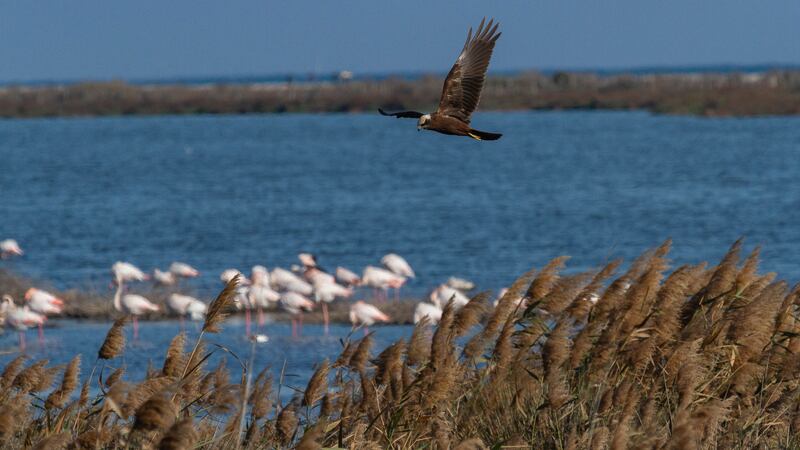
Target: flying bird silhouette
<point>462,88</point>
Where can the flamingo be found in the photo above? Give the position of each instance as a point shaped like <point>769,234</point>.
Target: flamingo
<point>183,270</point>
<point>228,274</point>
<point>365,314</point>
<point>325,291</point>
<point>132,304</point>
<point>347,277</point>
<point>9,248</point>
<point>444,293</point>
<point>381,279</point>
<point>307,260</point>
<point>285,280</point>
<point>44,303</point>
<point>431,311</point>
<point>398,265</point>
<point>184,305</point>
<point>460,284</point>
<point>125,271</point>
<point>294,303</point>
<point>261,294</point>
<point>164,278</point>
<point>20,318</point>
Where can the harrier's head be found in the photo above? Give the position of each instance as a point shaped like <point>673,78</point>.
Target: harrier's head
<point>424,121</point>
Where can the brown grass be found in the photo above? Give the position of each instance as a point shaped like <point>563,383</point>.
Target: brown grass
<point>689,358</point>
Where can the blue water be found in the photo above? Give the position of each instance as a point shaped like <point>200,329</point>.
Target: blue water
<point>234,191</point>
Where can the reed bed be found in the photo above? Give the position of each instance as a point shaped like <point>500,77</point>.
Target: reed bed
<point>693,357</point>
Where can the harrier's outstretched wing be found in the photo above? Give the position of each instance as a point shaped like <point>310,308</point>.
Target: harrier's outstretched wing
<point>463,85</point>
<point>402,114</point>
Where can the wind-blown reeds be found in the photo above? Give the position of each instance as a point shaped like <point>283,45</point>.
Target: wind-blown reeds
<point>692,358</point>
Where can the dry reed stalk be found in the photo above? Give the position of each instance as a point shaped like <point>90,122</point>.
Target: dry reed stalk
<point>175,360</point>
<point>156,414</point>
<point>217,309</point>
<point>58,398</point>
<point>56,441</point>
<point>470,314</point>
<point>748,272</point>
<point>317,385</point>
<point>115,376</point>
<point>114,342</point>
<point>546,278</point>
<point>11,370</point>
<point>419,344</point>
<point>286,425</point>
<point>30,377</point>
<point>358,361</point>
<point>180,436</point>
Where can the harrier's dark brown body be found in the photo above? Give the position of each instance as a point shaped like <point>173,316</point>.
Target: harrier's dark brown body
<point>462,89</point>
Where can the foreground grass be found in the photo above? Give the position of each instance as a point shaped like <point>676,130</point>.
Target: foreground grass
<point>694,357</point>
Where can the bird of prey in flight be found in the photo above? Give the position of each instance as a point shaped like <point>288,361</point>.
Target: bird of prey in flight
<point>462,89</point>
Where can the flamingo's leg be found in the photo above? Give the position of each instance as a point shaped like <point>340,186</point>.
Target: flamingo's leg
<point>21,341</point>
<point>261,319</point>
<point>325,318</point>
<point>300,324</point>
<point>397,294</point>
<point>294,327</point>
<point>135,328</point>
<point>247,322</point>
<point>366,330</point>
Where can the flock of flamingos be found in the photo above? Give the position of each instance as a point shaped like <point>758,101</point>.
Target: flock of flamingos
<point>295,291</point>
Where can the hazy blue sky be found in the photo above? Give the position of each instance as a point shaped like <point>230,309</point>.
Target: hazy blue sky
<point>60,39</point>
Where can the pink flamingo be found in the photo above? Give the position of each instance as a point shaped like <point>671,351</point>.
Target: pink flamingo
<point>282,279</point>
<point>399,266</point>
<point>295,303</point>
<point>9,248</point>
<point>184,305</point>
<point>132,304</point>
<point>347,277</point>
<point>325,291</point>
<point>125,272</point>
<point>20,318</point>
<point>164,278</point>
<point>261,294</point>
<point>381,279</point>
<point>183,270</point>
<point>365,314</point>
<point>43,303</point>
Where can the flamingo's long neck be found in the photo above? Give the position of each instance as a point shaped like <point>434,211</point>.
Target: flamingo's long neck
<point>118,295</point>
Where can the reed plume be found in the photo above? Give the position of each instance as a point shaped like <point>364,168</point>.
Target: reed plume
<point>114,343</point>
<point>216,310</point>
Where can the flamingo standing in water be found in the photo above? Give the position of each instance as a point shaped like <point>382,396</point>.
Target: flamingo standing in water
<point>125,272</point>
<point>442,295</point>
<point>285,280</point>
<point>295,303</point>
<point>381,279</point>
<point>432,312</point>
<point>325,291</point>
<point>132,304</point>
<point>20,318</point>
<point>164,278</point>
<point>399,266</point>
<point>184,305</point>
<point>347,277</point>
<point>183,270</point>
<point>365,314</point>
<point>261,294</point>
<point>9,248</point>
<point>43,303</point>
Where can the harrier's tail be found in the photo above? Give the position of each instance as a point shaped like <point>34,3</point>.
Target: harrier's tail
<point>483,135</point>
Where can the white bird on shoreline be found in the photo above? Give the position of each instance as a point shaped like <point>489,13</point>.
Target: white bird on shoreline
<point>381,279</point>
<point>20,318</point>
<point>9,248</point>
<point>398,265</point>
<point>44,303</point>
<point>431,311</point>
<point>326,291</point>
<point>362,313</point>
<point>444,293</point>
<point>183,270</point>
<point>184,305</point>
<point>285,280</point>
<point>132,304</point>
<point>164,278</point>
<point>347,277</point>
<point>295,303</point>
<point>125,272</point>
<point>460,284</point>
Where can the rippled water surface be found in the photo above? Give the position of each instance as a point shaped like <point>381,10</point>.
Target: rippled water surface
<point>233,191</point>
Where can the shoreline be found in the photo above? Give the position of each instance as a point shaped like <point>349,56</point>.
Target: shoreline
<point>94,306</point>
<point>774,93</point>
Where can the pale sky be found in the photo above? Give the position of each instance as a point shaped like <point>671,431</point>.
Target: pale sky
<point>145,39</point>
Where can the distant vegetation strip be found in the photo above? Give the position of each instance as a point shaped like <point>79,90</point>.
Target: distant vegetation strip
<point>703,94</point>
